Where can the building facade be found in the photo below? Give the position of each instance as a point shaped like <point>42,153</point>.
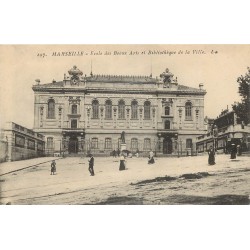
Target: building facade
<point>88,113</point>
<point>225,130</point>
<point>20,143</point>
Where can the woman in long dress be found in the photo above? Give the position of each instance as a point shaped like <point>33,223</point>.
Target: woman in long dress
<point>211,156</point>
<point>122,162</point>
<point>151,158</point>
<point>233,151</point>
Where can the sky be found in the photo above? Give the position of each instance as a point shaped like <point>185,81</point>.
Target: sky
<point>216,66</point>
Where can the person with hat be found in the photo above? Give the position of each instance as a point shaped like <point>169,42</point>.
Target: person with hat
<point>91,165</point>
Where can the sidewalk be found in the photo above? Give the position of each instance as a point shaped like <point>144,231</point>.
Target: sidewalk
<point>7,167</point>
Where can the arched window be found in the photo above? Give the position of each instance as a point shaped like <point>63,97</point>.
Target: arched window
<point>121,109</point>
<point>108,109</point>
<point>51,109</point>
<point>95,109</point>
<point>134,110</point>
<point>188,111</point>
<point>147,110</point>
<point>108,143</point>
<point>167,110</point>
<point>134,144</point>
<point>167,124</point>
<point>147,144</point>
<point>74,109</point>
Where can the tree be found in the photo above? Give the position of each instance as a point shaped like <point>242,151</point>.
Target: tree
<point>242,109</point>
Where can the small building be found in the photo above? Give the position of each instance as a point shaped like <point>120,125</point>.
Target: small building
<point>225,131</point>
<point>20,143</point>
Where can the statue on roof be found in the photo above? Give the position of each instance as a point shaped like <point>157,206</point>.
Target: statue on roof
<point>167,76</point>
<point>75,74</point>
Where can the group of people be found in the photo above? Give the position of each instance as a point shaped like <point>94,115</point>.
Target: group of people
<point>235,150</point>
<point>116,153</point>
<point>122,165</point>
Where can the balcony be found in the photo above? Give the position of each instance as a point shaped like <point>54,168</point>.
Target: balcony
<point>167,131</point>
<point>74,115</point>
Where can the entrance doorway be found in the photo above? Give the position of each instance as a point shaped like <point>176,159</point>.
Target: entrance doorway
<point>73,145</point>
<point>167,146</point>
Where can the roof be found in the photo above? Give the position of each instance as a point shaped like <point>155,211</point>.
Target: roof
<point>121,78</point>
<point>188,89</point>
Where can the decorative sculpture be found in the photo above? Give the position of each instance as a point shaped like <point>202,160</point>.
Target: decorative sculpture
<point>123,137</point>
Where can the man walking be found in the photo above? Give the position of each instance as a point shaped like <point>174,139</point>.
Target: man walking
<point>91,165</point>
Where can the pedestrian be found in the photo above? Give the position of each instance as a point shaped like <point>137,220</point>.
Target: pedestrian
<point>211,156</point>
<point>114,154</point>
<point>122,163</point>
<point>91,165</point>
<point>137,153</point>
<point>233,151</point>
<point>238,150</point>
<point>53,167</point>
<point>151,157</point>
<point>118,152</point>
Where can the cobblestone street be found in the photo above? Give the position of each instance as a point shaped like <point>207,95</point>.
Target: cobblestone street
<point>188,180</point>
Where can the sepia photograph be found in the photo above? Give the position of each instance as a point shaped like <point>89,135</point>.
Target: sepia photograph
<point>125,125</point>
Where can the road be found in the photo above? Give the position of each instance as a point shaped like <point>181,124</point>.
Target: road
<point>187,180</point>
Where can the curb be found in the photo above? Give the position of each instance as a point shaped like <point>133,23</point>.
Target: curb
<point>35,165</point>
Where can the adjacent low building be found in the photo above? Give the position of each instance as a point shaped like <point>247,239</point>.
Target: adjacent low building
<point>21,143</point>
<point>225,131</point>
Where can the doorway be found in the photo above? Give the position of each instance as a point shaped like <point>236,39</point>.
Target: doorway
<point>167,146</point>
<point>73,145</point>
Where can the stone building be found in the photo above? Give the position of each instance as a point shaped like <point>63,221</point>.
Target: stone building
<point>88,113</point>
<point>19,143</point>
<point>225,130</point>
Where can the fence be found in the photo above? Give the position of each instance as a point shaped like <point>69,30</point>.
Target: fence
<point>108,149</point>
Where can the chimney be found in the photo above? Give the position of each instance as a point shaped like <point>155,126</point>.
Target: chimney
<point>201,86</point>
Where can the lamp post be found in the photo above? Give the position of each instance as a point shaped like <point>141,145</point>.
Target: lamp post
<point>181,146</point>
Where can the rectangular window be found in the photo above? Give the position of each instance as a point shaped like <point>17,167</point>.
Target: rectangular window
<point>147,144</point>
<point>50,143</point>
<point>31,144</point>
<point>189,143</point>
<point>39,146</point>
<point>108,143</point>
<point>134,144</point>
<point>74,123</point>
<point>94,143</point>
<point>74,109</point>
<point>19,141</point>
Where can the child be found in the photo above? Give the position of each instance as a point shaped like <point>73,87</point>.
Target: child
<point>53,167</point>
